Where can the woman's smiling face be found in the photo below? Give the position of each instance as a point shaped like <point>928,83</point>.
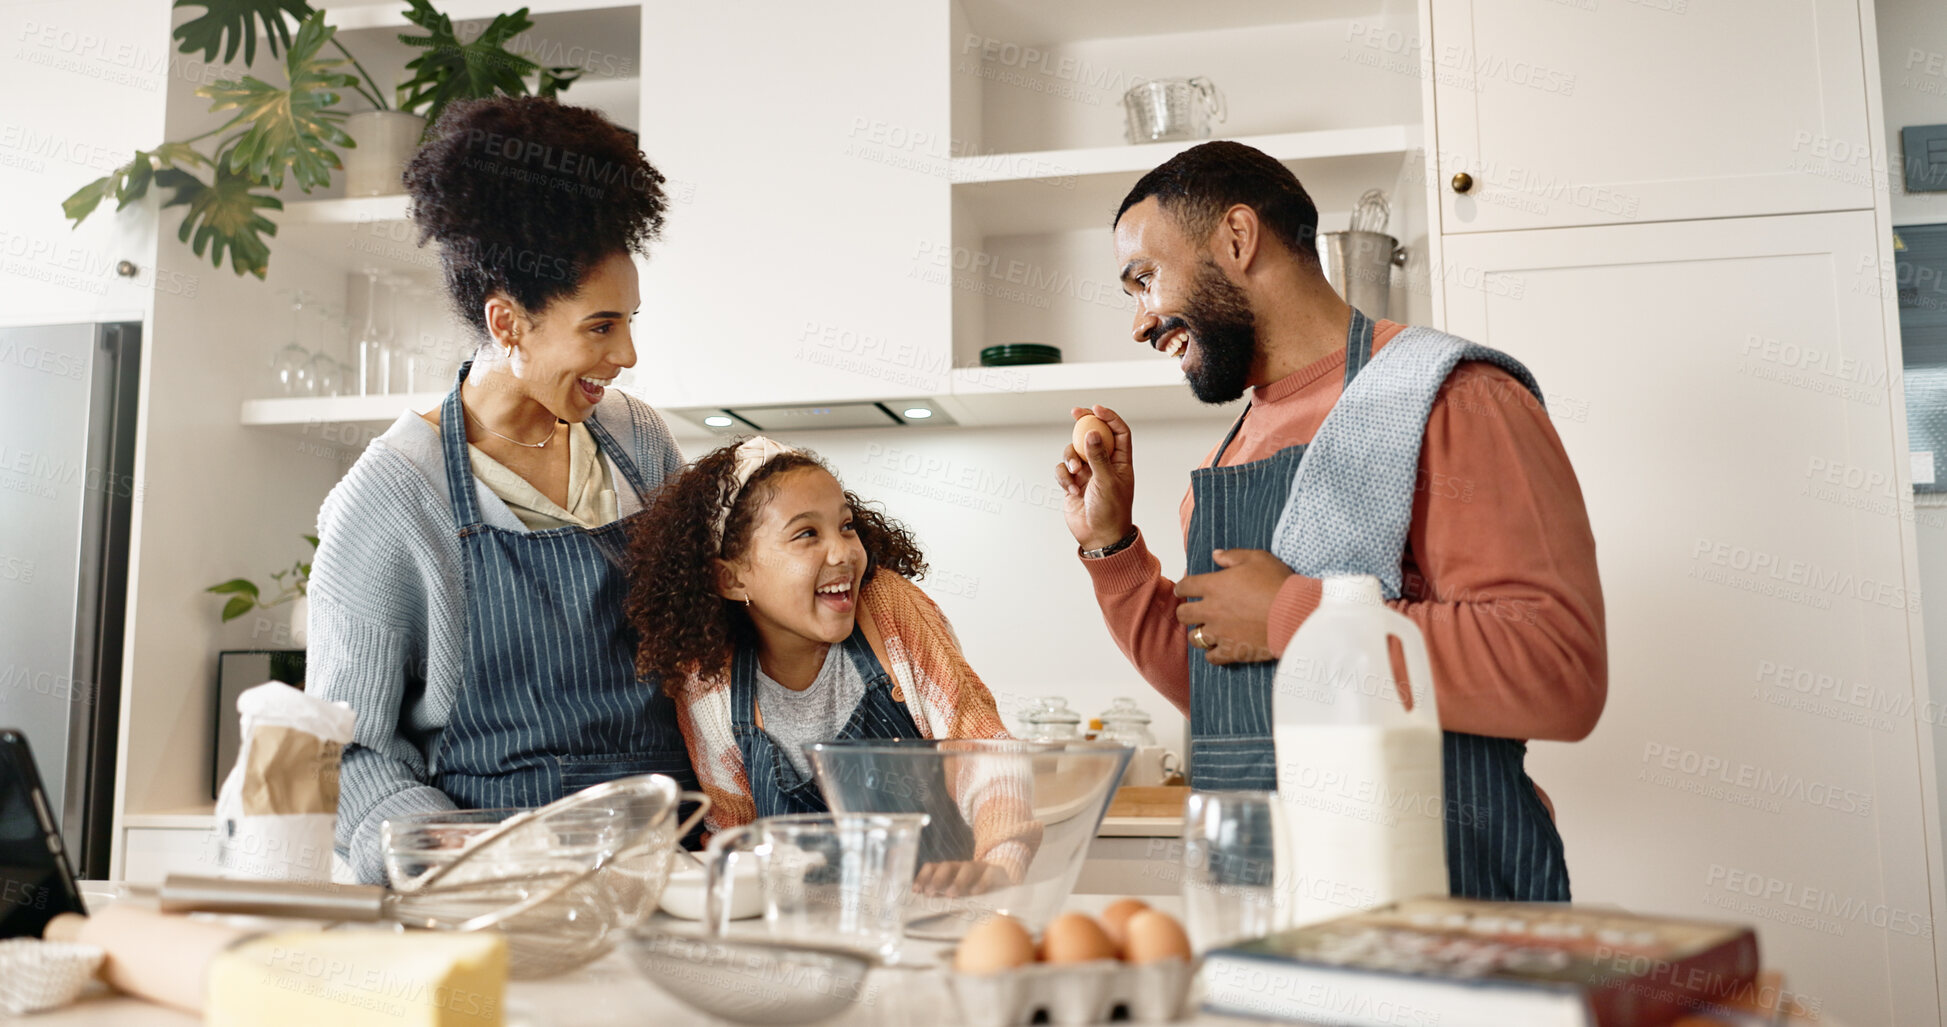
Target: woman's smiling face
<point>803,566</point>
<point>566,357</point>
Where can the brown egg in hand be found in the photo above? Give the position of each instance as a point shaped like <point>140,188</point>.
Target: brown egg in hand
<point>1115,919</point>
<point>994,945</point>
<point>1086,425</point>
<point>1155,936</point>
<point>1075,938</point>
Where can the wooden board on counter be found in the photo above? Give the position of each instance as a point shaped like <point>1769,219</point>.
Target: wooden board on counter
<point>1149,801</point>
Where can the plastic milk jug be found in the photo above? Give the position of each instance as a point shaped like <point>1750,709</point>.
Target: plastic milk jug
<point>1359,772</point>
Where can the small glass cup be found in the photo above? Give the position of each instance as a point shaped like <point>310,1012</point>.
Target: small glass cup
<point>1234,853</point>
<point>832,879</point>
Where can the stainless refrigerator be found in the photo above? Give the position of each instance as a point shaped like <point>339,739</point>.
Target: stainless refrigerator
<point>67,488</point>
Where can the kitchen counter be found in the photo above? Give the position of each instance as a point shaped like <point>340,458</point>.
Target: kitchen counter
<point>610,993</point>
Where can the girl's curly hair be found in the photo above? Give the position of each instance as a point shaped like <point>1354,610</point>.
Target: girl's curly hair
<point>683,625</point>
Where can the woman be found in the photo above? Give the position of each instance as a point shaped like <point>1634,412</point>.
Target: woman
<point>466,598</point>
<point>773,602</point>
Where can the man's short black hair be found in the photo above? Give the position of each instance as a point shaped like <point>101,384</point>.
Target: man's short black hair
<point>1199,184</point>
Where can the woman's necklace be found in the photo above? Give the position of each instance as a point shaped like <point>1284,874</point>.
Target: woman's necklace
<point>517,442</point>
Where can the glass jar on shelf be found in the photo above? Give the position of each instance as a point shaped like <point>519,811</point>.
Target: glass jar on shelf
<point>1049,719</point>
<point>1124,722</point>
<point>374,343</point>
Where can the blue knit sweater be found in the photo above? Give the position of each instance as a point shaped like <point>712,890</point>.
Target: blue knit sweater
<point>387,629</point>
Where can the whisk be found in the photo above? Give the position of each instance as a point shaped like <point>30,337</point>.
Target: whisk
<point>559,900</point>
<point>1372,212</point>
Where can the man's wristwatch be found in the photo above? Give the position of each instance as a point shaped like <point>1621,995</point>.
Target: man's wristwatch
<point>1112,549</point>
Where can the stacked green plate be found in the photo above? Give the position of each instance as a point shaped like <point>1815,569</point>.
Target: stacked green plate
<point>1019,353</point>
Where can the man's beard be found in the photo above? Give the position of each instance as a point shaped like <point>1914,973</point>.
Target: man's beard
<point>1218,317</point>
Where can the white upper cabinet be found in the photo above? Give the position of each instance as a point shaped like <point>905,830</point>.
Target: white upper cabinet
<point>1731,403</point>
<point>807,147</point>
<point>1579,113</point>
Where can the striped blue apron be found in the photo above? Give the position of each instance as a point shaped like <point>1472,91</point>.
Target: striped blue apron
<point>1237,507</point>
<point>549,701</point>
<point>776,786</point>
<point>1501,842</point>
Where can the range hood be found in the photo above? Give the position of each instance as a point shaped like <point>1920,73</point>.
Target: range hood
<point>798,417</point>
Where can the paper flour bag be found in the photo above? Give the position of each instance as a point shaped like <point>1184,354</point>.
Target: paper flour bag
<point>279,807</point>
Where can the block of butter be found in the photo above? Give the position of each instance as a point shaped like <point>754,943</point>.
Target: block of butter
<point>355,978</point>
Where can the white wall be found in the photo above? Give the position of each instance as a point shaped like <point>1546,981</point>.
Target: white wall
<point>988,515</point>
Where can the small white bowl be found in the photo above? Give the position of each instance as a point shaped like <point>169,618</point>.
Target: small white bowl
<point>683,897</point>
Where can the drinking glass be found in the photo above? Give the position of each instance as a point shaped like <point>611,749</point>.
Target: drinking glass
<point>290,368</point>
<point>1235,862</point>
<point>841,879</point>
<point>327,374</point>
<point>374,351</point>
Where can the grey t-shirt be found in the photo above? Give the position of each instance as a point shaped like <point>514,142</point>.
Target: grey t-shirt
<point>795,719</point>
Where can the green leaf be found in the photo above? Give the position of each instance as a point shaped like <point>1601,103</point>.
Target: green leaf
<point>237,607</point>
<point>555,81</point>
<point>243,585</point>
<point>222,215</point>
<point>226,24</point>
<point>450,70</point>
<point>85,199</point>
<point>178,155</point>
<point>291,128</point>
<point>137,182</point>
<point>313,539</point>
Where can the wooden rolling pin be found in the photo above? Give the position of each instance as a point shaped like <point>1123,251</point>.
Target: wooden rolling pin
<point>154,956</point>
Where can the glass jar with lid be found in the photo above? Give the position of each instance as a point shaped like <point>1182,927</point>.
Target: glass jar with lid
<point>1049,719</point>
<point>1126,723</point>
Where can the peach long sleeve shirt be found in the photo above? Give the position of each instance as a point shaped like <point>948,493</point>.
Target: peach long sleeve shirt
<point>1499,571</point>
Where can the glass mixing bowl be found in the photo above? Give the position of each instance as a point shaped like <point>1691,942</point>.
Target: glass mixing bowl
<point>1011,820</point>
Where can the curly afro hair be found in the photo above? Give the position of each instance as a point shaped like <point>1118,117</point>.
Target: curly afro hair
<point>525,195</point>
<point>685,627</point>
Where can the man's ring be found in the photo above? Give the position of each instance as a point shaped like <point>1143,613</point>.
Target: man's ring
<point>1197,639</point>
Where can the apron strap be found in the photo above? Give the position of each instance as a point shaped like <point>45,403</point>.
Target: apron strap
<point>1358,353</point>
<point>623,461</point>
<point>459,469</point>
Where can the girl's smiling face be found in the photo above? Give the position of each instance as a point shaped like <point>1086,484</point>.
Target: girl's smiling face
<point>803,566</point>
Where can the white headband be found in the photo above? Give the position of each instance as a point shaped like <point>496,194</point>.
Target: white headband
<point>752,454</point>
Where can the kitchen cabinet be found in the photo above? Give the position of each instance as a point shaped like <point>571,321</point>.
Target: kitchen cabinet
<point>1730,398</point>
<point>807,148</point>
<point>1579,113</point>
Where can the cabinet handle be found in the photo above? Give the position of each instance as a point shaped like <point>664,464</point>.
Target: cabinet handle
<point>1462,182</point>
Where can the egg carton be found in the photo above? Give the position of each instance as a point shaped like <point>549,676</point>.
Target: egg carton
<point>1075,993</point>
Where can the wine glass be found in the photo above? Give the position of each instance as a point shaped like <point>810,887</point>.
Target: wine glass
<point>290,368</point>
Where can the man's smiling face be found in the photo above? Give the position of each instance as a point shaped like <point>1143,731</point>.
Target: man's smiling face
<point>1186,306</point>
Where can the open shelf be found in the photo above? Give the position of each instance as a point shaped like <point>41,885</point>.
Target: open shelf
<point>1083,190</point>
<point>1146,389</point>
<point>352,15</point>
<point>1037,21</point>
<point>301,411</point>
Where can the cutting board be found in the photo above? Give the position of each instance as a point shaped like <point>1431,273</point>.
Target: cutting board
<point>1149,801</point>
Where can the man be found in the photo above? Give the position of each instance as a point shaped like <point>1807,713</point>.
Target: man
<point>1439,473</point>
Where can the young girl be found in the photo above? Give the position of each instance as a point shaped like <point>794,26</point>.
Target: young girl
<point>768,599</point>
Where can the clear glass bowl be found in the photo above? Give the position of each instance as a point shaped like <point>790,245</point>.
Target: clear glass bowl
<point>1011,820</point>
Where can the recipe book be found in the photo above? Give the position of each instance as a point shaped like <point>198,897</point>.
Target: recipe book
<point>1465,963</point>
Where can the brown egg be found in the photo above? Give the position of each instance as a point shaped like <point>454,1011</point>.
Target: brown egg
<point>1155,936</point>
<point>1075,938</point>
<point>1086,424</point>
<point>1115,920</point>
<point>994,945</point>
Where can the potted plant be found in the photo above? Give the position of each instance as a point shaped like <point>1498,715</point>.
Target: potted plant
<point>298,128</point>
<point>292,585</point>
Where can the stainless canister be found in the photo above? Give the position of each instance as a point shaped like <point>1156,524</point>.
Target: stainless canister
<point>1161,110</point>
<point>1360,266</point>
